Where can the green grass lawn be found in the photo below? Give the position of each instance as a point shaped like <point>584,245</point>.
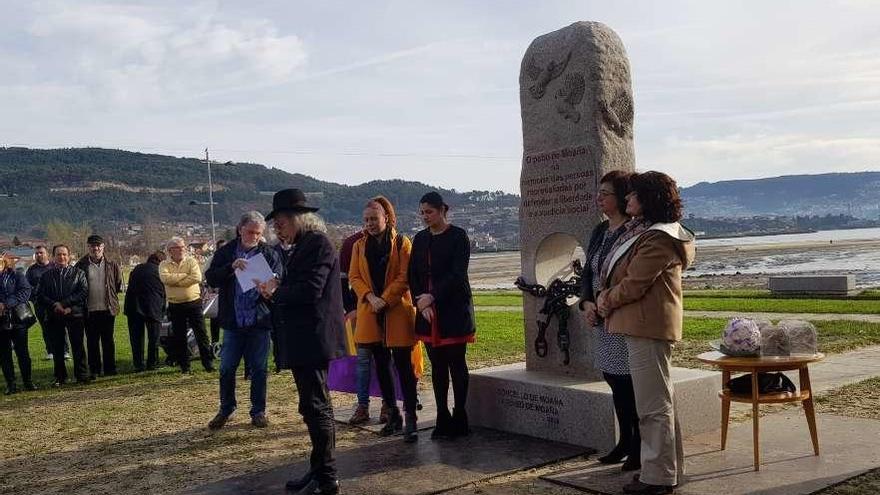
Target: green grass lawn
<point>859,306</point>
<point>733,300</point>
<point>500,340</point>
<point>43,368</point>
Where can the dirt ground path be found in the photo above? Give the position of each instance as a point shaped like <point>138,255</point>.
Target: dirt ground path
<point>147,438</point>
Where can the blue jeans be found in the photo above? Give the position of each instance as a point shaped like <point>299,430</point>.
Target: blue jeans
<point>253,345</point>
<point>364,362</point>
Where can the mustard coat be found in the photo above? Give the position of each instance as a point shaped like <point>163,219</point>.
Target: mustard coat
<point>400,314</point>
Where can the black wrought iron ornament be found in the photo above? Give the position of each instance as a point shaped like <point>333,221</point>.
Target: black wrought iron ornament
<point>555,304</point>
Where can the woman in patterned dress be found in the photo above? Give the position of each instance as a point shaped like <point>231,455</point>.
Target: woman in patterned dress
<point>610,349</point>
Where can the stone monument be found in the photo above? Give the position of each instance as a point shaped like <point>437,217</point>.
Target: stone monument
<point>577,117</point>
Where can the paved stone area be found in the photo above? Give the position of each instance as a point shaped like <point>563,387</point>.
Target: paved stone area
<point>427,416</point>
<point>788,465</point>
<point>842,369</point>
<point>395,468</point>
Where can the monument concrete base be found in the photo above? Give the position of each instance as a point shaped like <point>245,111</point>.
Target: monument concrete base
<point>572,410</point>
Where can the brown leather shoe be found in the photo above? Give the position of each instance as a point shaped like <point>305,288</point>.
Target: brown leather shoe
<point>639,488</point>
<point>361,415</point>
<point>260,421</point>
<point>218,422</point>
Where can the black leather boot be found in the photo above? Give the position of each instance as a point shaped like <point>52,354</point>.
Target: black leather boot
<point>394,424</point>
<point>460,426</point>
<point>443,427</point>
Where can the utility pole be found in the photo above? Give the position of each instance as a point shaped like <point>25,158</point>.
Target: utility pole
<point>211,201</point>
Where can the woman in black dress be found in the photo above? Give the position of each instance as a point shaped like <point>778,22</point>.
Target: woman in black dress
<point>445,311</point>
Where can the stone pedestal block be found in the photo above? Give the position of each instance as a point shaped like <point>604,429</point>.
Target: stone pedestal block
<point>830,285</point>
<point>572,410</point>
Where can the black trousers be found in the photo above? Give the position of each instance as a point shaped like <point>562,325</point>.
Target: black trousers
<point>403,362</point>
<point>100,339</point>
<point>449,361</point>
<point>183,315</point>
<point>317,412</point>
<point>138,325</point>
<point>74,328</point>
<point>625,409</point>
<point>42,315</point>
<point>18,338</point>
<point>215,329</point>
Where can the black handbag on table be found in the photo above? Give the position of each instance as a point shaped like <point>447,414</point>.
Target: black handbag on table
<point>768,383</point>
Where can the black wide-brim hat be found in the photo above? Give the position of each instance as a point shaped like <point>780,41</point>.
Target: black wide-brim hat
<point>289,200</point>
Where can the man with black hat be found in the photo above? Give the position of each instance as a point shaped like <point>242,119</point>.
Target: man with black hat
<point>102,305</point>
<point>308,316</point>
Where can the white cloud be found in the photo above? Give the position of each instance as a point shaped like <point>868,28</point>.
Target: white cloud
<point>136,55</point>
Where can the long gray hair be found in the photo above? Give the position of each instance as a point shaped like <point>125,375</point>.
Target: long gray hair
<point>306,221</point>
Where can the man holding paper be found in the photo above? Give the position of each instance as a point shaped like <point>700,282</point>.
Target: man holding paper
<point>244,314</point>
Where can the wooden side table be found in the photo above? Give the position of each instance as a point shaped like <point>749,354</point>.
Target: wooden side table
<point>754,365</point>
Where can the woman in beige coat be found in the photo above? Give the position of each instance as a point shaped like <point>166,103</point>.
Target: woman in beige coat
<point>385,312</point>
<point>643,301</point>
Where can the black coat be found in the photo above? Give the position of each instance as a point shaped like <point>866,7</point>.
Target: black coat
<point>450,254</point>
<point>71,290</point>
<point>221,275</point>
<point>34,272</point>
<point>146,292</point>
<point>14,289</point>
<point>307,309</point>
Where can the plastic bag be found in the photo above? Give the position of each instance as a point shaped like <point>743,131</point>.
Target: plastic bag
<point>801,336</point>
<point>774,341</point>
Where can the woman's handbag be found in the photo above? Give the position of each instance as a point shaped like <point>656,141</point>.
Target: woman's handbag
<point>22,316</point>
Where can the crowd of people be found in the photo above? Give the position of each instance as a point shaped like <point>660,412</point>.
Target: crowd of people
<point>398,294</point>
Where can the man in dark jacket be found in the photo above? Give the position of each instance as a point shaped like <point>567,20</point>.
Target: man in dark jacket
<point>42,264</point>
<point>244,316</point>
<point>308,317</point>
<point>63,290</point>
<point>145,308</point>
<point>14,291</point>
<point>102,304</point>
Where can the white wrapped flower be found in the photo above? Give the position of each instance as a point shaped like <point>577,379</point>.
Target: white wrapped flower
<point>742,337</point>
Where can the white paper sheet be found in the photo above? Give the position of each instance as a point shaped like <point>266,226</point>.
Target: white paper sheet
<point>257,268</point>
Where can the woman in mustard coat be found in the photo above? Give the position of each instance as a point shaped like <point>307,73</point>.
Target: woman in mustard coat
<point>385,312</point>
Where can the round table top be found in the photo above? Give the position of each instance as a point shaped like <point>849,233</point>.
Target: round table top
<point>765,362</point>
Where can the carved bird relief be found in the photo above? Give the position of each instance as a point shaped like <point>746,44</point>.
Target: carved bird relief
<point>618,113</point>
<point>542,77</point>
<point>570,95</point>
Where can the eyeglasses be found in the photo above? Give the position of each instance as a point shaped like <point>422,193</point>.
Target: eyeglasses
<point>603,194</point>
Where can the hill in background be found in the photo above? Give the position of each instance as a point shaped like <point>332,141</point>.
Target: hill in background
<point>96,186</point>
<point>855,194</point>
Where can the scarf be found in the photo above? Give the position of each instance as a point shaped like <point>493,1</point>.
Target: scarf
<point>633,228</point>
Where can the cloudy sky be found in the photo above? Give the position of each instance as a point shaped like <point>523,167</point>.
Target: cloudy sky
<point>354,91</point>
